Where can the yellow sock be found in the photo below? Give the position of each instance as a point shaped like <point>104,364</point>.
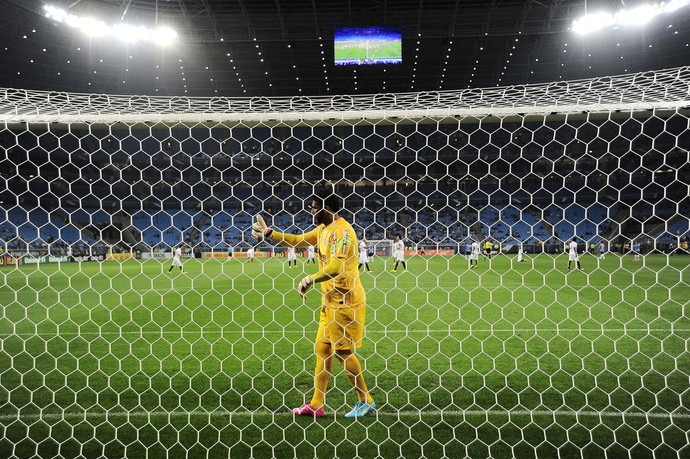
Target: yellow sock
<point>322,373</point>
<point>353,370</point>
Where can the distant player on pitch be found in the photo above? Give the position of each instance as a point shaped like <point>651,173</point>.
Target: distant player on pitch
<point>177,259</point>
<point>250,255</point>
<point>572,254</point>
<point>363,255</point>
<point>475,250</point>
<point>521,254</point>
<point>292,257</point>
<point>636,250</point>
<point>399,253</point>
<point>602,250</point>
<point>370,251</point>
<point>343,300</point>
<point>310,255</point>
<point>488,246</point>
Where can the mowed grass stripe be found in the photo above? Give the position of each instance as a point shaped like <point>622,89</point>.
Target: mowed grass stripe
<point>230,337</point>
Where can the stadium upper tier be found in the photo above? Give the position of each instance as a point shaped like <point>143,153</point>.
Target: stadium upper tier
<point>541,161</point>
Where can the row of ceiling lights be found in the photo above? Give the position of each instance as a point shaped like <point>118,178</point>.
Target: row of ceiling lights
<point>323,60</point>
<point>645,12</point>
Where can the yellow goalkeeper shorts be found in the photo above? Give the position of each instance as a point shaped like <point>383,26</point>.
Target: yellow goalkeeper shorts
<point>343,327</point>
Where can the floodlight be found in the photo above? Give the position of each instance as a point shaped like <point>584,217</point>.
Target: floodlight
<point>592,23</point>
<point>637,16</point>
<point>627,17</point>
<point>164,36</point>
<point>124,32</point>
<point>673,5</point>
<point>93,27</point>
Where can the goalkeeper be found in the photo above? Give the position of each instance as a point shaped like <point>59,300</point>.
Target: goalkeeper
<point>343,301</point>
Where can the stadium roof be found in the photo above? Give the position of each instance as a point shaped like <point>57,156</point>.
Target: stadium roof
<point>285,47</point>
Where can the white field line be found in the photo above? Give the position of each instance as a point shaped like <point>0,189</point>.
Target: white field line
<point>309,333</point>
<point>482,414</point>
<point>377,286</point>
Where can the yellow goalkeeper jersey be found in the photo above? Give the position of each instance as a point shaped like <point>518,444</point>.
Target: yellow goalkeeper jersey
<point>335,240</point>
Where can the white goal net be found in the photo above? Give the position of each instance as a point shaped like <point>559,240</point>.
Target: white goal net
<point>567,337</point>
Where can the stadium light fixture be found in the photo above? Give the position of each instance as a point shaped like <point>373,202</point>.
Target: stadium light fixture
<point>124,32</point>
<point>627,17</point>
<point>593,23</point>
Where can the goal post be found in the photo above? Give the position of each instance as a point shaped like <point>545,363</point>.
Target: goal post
<point>110,349</point>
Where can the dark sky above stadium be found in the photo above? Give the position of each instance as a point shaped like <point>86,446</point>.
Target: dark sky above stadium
<point>285,47</point>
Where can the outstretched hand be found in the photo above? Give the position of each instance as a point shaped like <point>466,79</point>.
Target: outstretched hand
<point>259,228</point>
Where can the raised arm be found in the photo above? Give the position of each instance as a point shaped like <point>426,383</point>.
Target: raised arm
<point>260,230</point>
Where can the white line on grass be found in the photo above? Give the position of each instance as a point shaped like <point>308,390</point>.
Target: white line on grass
<point>385,286</point>
<point>381,413</point>
<point>369,332</point>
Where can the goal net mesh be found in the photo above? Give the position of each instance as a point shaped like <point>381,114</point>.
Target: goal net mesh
<point>107,352</point>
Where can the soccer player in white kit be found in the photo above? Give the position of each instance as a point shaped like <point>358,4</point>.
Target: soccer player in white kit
<point>636,251</point>
<point>250,255</point>
<point>521,253</point>
<point>177,259</point>
<point>363,255</point>
<point>474,254</point>
<point>291,256</point>
<point>310,255</point>
<point>399,253</point>
<point>572,254</point>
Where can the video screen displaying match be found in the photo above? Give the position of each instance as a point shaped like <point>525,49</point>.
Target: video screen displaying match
<point>368,45</point>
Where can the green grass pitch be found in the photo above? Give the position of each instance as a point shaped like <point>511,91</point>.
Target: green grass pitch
<point>507,360</point>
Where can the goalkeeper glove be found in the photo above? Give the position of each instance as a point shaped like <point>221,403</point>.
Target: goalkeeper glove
<point>304,285</point>
<point>260,229</point>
